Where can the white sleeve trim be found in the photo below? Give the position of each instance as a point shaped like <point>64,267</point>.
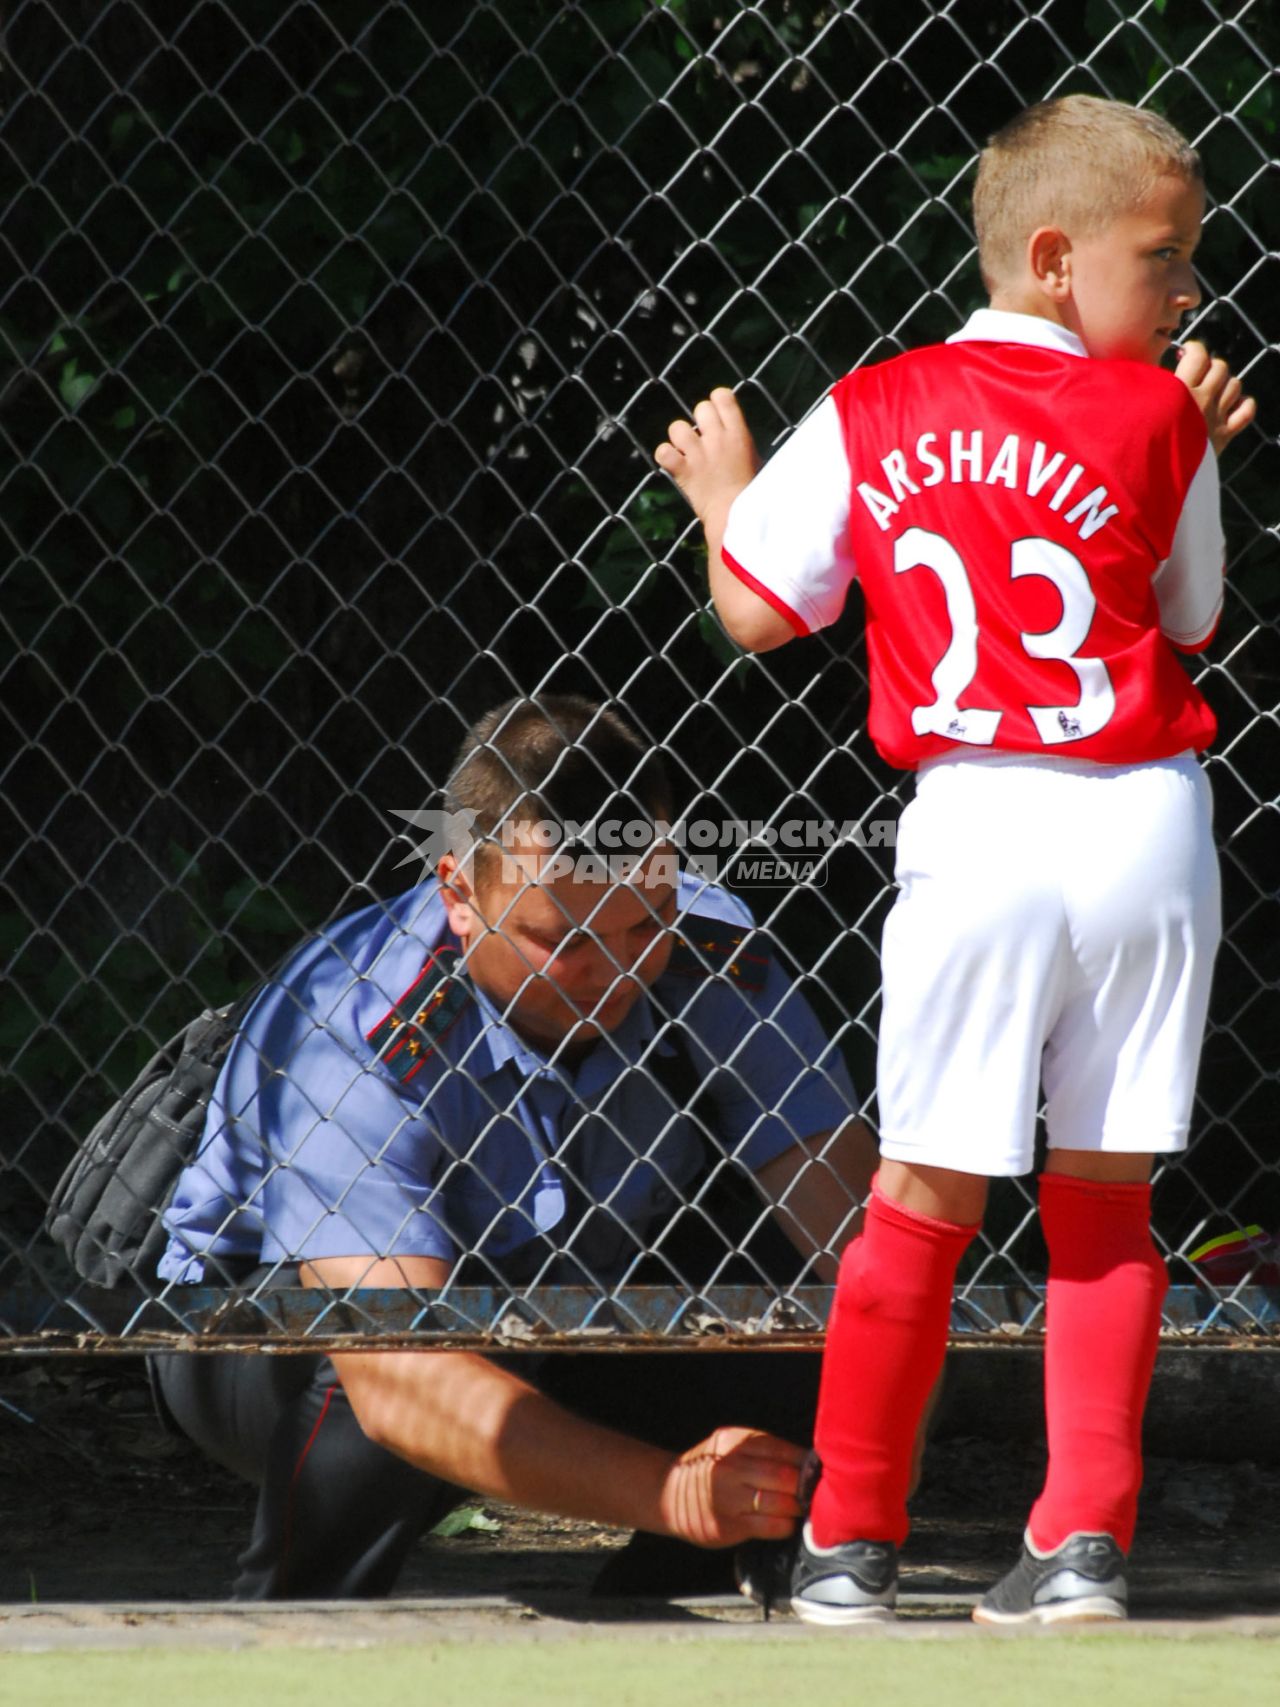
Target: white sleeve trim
<point>1188,584</point>
<point>790,528</point>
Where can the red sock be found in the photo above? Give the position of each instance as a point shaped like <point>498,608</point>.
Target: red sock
<point>885,1344</point>
<point>1106,1285</point>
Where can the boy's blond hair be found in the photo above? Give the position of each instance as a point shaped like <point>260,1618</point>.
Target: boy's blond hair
<point>1076,162</point>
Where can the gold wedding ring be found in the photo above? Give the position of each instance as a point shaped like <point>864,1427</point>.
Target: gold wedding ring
<point>755,1501</point>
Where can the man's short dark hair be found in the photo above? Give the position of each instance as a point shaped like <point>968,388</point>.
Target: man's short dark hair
<point>556,760</point>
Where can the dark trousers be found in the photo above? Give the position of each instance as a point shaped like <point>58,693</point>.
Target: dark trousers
<point>337,1516</point>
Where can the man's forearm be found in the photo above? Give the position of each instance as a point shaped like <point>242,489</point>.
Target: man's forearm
<point>458,1416</point>
<point>817,1189</point>
<point>455,1415</point>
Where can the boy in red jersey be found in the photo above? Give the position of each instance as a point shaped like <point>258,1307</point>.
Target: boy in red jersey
<point>1032,512</point>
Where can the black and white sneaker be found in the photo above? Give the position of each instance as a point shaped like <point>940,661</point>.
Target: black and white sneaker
<point>855,1582</point>
<point>1081,1580</point>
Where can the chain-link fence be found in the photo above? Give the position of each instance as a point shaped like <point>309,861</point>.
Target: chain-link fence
<point>337,339</point>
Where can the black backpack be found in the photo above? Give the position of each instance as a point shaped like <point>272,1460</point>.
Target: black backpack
<point>105,1212</point>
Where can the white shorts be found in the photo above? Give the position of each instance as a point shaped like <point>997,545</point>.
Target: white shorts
<point>1057,920</point>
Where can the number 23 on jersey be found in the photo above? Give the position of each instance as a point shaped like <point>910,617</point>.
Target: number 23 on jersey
<point>953,672</point>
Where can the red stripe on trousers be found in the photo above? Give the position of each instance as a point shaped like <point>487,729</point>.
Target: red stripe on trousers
<point>293,1482</point>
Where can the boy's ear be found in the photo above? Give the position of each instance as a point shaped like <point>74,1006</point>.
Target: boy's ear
<point>1049,261</point>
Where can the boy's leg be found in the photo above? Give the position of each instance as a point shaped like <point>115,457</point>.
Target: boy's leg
<point>1119,1076</point>
<point>885,1346</point>
<point>972,954</point>
<point>1106,1286</point>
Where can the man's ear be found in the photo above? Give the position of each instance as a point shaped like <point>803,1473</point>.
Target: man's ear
<point>458,897</point>
<point>1049,262</point>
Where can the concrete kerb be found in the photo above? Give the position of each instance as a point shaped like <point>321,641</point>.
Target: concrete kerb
<point>486,1619</point>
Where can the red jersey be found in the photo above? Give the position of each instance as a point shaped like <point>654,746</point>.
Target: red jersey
<point>1034,532</point>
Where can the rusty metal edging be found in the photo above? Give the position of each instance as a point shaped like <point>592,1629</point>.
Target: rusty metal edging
<point>546,1319</point>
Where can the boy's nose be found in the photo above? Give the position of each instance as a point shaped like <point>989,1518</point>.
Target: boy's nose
<point>1187,290</point>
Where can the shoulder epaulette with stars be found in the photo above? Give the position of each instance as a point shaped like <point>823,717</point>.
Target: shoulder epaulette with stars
<point>408,1035</point>
<point>709,948</point>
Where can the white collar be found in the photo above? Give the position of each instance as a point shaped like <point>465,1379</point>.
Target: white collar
<point>1002,326</point>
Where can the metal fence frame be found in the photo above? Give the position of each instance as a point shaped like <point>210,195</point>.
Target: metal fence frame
<point>613,208</point>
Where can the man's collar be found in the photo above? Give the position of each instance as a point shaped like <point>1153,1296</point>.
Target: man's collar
<point>497,1043</point>
<point>492,1042</point>
<point>1002,326</point>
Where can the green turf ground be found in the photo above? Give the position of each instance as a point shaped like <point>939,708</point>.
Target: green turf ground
<point>819,1670</point>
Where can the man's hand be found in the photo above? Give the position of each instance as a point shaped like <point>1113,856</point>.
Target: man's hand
<point>738,1485</point>
<point>712,457</point>
<point>1217,391</point>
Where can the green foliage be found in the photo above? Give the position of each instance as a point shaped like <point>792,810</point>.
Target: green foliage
<point>464,1519</point>
<point>622,569</point>
<point>330,335</point>
<point>85,1016</point>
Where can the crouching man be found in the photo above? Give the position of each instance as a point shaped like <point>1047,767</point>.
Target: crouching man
<point>489,1079</point>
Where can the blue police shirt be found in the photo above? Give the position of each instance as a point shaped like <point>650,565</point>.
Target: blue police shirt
<point>338,1128</point>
